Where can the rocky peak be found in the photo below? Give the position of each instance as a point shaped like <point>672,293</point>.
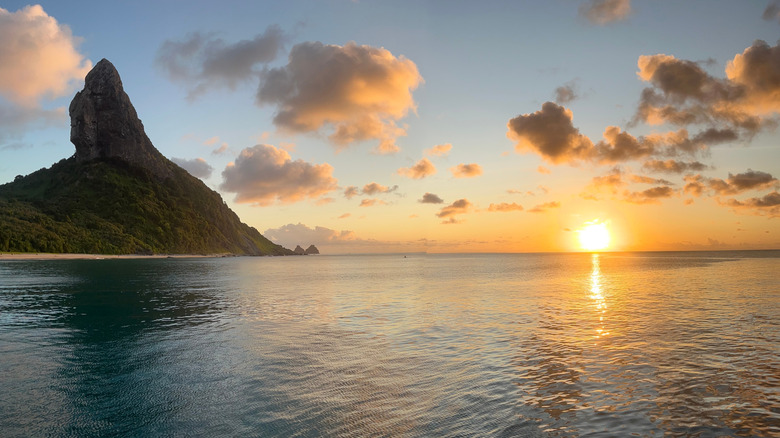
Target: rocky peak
<point>312,250</point>
<point>298,250</point>
<point>104,124</point>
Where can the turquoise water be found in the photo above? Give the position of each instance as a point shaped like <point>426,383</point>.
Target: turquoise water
<point>649,344</point>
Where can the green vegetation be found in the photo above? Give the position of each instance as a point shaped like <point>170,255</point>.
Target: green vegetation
<point>108,206</point>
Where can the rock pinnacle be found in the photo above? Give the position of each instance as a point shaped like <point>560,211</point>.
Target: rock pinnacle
<point>104,124</point>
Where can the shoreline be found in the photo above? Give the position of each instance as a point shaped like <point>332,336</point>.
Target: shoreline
<point>50,256</point>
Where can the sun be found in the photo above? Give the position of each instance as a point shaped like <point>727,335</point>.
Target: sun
<point>594,236</point>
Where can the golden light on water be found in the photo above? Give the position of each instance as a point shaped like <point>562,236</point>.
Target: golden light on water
<point>594,236</point>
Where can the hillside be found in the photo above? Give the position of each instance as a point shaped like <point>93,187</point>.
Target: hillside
<point>118,194</point>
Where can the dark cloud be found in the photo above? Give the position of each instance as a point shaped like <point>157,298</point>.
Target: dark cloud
<point>204,61</point>
<point>505,207</point>
<point>649,196</point>
<point>673,166</point>
<point>359,91</point>
<point>750,180</point>
<point>264,174</point>
<point>737,107</point>
<point>16,120</point>
<point>772,11</point>
<point>420,170</point>
<point>550,133</point>
<point>430,198</point>
<point>767,205</point>
<point>641,179</point>
<point>566,93</point>
<point>602,12</point>
<point>621,146</point>
<point>541,208</point>
<point>466,170</point>
<point>197,167</point>
<point>461,206</point>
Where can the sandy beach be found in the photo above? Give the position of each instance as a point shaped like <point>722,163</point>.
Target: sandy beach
<point>46,256</point>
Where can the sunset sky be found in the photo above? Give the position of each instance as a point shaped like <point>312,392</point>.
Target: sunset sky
<point>405,126</point>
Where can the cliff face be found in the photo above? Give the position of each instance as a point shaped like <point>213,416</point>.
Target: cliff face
<point>104,124</point>
<point>118,194</point>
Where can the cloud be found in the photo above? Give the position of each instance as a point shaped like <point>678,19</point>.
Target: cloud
<point>772,11</point>
<point>566,93</point>
<point>741,182</point>
<point>371,202</point>
<point>602,12</point>
<point>736,107</point>
<point>750,180</point>
<point>351,192</point>
<point>461,206</point>
<point>439,150</point>
<point>222,149</point>
<point>344,216</point>
<point>205,62</point>
<point>264,174</point>
<point>15,120</point>
<point>38,57</point>
<point>197,167</point>
<point>649,196</point>
<point>358,91</point>
<point>767,205</point>
<point>299,234</point>
<point>466,170</point>
<point>673,166</point>
<point>505,207</point>
<point>621,146</point>
<point>641,179</point>
<point>375,188</point>
<point>430,198</point>
<point>543,170</point>
<point>420,170</point>
<point>550,133</point>
<point>541,208</point>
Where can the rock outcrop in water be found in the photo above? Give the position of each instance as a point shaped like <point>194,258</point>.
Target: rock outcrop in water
<point>118,194</point>
<point>312,250</point>
<point>104,124</point>
<point>299,251</point>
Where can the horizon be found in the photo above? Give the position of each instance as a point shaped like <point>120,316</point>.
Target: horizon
<point>426,139</point>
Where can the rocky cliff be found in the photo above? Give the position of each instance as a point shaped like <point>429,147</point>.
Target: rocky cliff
<point>118,194</point>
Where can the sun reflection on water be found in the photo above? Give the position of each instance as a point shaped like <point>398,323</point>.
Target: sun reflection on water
<point>596,294</point>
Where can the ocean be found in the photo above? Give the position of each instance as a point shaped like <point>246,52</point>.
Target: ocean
<point>422,345</point>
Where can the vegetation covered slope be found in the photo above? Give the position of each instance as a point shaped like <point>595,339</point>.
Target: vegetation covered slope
<point>108,206</point>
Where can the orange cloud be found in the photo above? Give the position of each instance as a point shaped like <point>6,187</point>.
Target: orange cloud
<point>374,188</point>
<point>264,174</point>
<point>505,207</point>
<point>768,205</point>
<point>466,170</point>
<point>541,208</point>
<point>359,91</point>
<point>371,202</point>
<point>734,184</point>
<point>602,12</point>
<point>439,150</point>
<point>420,170</point>
<point>543,170</point>
<point>39,56</point>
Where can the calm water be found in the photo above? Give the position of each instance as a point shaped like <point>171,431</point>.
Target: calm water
<point>660,344</point>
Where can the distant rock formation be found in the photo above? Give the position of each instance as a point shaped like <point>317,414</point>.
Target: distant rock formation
<point>312,250</point>
<point>104,124</point>
<point>299,251</point>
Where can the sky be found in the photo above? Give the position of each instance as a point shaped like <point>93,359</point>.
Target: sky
<point>431,126</point>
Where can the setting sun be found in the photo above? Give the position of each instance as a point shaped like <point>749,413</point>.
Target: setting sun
<point>594,236</point>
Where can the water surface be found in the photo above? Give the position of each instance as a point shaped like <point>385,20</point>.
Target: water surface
<point>649,344</point>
